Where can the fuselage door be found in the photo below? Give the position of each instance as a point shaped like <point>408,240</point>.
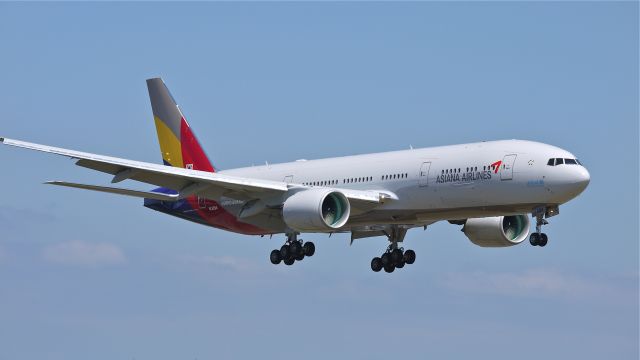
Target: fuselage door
<point>424,174</point>
<point>506,173</point>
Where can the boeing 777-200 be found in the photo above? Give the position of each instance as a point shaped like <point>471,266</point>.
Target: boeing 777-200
<point>489,188</point>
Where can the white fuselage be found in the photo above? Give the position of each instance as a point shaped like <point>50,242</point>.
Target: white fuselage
<point>441,183</point>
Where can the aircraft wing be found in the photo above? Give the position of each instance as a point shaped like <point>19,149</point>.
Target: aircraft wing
<point>185,182</point>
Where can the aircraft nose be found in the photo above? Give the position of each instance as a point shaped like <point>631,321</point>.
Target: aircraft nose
<point>582,177</point>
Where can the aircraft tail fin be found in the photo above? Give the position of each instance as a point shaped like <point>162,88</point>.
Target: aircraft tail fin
<point>178,144</point>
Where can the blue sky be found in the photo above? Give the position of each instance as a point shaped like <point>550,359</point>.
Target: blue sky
<point>87,275</point>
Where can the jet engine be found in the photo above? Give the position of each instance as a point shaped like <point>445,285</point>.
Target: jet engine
<point>316,210</point>
<point>497,231</point>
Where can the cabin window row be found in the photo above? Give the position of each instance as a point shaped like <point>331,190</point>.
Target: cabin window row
<point>357,180</point>
<point>336,182</point>
<point>469,169</point>
<point>394,176</point>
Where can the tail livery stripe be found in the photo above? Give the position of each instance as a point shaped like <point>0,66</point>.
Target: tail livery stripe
<point>169,145</point>
<point>178,144</point>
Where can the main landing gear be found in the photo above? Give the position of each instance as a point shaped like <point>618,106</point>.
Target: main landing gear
<point>395,257</point>
<point>538,238</point>
<point>293,250</point>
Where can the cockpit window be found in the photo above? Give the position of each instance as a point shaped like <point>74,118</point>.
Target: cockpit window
<point>551,162</point>
<point>570,161</point>
<point>578,161</point>
<point>559,161</point>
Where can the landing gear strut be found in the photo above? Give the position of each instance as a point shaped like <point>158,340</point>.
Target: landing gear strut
<point>293,250</point>
<point>395,257</point>
<point>538,238</point>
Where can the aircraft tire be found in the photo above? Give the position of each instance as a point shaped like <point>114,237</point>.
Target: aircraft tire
<point>309,248</point>
<point>285,251</point>
<point>389,268</point>
<point>409,257</point>
<point>534,239</point>
<point>396,256</point>
<point>543,240</point>
<point>275,257</point>
<point>386,260</point>
<point>296,248</point>
<point>376,264</point>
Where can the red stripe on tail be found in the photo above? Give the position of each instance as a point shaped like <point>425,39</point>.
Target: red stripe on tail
<point>192,154</point>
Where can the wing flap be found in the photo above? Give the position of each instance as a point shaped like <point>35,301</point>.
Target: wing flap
<point>119,191</point>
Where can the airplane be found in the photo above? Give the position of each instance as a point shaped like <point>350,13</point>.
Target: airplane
<point>489,188</point>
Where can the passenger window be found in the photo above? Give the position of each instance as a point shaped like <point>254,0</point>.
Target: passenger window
<point>559,161</point>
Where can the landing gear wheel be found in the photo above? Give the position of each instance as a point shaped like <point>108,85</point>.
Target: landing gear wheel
<point>409,257</point>
<point>389,268</point>
<point>542,241</point>
<point>300,256</point>
<point>386,260</point>
<point>275,257</point>
<point>296,248</point>
<point>309,249</point>
<point>289,261</point>
<point>376,264</point>
<point>534,239</point>
<point>285,251</point>
<point>400,264</point>
<point>396,256</point>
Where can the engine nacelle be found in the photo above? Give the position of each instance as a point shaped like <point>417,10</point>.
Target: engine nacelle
<point>316,210</point>
<point>497,231</point>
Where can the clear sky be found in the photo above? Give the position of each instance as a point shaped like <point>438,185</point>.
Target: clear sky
<point>92,276</point>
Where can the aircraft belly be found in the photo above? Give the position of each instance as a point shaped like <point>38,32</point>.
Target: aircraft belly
<point>421,216</point>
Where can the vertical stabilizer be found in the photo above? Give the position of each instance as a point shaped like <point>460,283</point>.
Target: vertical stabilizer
<point>178,144</point>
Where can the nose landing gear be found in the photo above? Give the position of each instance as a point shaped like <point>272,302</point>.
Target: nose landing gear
<point>538,238</point>
<point>293,250</point>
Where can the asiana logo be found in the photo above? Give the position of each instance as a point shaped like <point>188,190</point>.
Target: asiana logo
<point>469,176</point>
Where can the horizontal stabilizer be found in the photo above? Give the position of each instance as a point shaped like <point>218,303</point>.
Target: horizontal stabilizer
<point>111,190</point>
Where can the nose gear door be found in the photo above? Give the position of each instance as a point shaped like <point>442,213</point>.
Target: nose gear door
<point>506,173</point>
